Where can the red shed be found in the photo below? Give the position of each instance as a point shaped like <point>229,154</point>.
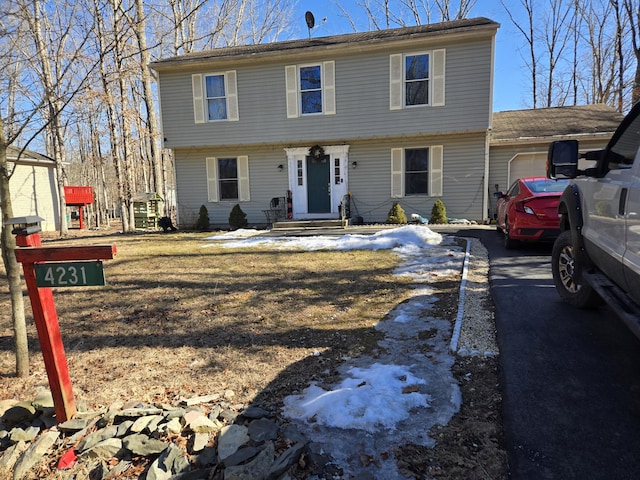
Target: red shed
<point>78,197</point>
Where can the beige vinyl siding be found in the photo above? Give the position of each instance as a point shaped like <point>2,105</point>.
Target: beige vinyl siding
<point>369,183</point>
<point>34,192</point>
<point>264,182</point>
<point>361,102</point>
<point>462,186</point>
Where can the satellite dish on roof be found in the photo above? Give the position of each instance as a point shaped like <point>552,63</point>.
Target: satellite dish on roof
<point>311,21</point>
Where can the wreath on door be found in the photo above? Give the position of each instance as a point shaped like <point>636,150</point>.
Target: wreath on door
<point>316,152</point>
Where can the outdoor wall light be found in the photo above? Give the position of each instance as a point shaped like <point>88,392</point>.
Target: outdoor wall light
<point>280,167</point>
<point>354,164</point>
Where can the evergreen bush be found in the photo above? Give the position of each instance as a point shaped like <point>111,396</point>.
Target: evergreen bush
<point>438,213</point>
<point>396,215</point>
<point>237,218</point>
<point>202,224</point>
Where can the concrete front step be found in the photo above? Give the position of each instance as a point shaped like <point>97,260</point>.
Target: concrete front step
<point>309,224</point>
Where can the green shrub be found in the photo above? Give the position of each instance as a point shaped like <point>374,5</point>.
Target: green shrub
<point>396,215</point>
<point>202,224</point>
<point>438,213</point>
<point>237,218</point>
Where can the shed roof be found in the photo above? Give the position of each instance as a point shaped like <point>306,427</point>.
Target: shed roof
<point>514,125</point>
<point>335,41</point>
<point>28,156</point>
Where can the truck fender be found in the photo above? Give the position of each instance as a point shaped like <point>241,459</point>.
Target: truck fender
<point>570,210</point>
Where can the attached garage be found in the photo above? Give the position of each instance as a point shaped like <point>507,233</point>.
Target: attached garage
<point>527,165</point>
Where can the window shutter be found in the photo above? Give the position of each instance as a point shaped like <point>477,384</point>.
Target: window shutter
<point>329,88</point>
<point>291,78</point>
<point>437,79</point>
<point>435,171</point>
<point>243,179</point>
<point>397,172</point>
<point>198,100</point>
<point>231,89</point>
<point>395,82</point>
<point>212,179</point>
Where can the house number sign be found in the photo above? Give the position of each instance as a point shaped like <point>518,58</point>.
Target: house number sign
<point>69,274</point>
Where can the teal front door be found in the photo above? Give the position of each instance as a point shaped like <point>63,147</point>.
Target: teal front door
<point>318,184</point>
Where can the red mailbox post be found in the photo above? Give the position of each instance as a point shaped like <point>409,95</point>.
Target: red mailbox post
<point>33,258</point>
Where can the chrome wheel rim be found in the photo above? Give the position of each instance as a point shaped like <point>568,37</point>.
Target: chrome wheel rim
<point>566,269</point>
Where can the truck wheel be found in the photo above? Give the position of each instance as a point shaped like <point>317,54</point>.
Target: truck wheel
<point>509,243</point>
<point>563,266</point>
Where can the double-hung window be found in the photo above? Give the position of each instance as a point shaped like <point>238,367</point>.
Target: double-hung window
<point>215,97</point>
<point>228,178</point>
<point>310,89</point>
<point>416,171</point>
<point>416,79</point>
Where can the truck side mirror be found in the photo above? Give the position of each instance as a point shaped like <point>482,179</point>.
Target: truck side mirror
<point>562,159</point>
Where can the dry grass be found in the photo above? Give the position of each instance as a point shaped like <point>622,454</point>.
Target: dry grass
<point>179,320</point>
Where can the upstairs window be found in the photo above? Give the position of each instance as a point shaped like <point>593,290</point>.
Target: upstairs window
<point>416,79</point>
<point>215,97</point>
<point>310,89</point>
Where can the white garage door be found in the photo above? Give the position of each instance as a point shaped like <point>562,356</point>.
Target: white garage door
<point>527,165</point>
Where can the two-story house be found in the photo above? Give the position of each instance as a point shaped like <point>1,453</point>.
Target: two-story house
<point>389,116</point>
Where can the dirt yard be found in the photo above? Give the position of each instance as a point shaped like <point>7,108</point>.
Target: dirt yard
<point>177,320</point>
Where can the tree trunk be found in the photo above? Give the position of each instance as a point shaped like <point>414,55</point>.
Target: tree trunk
<point>12,267</point>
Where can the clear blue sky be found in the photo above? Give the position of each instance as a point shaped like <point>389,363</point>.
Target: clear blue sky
<point>511,84</point>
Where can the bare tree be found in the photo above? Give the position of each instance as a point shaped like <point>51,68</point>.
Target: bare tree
<point>632,10</point>
<point>528,33</point>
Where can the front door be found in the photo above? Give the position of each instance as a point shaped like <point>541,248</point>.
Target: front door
<point>319,184</point>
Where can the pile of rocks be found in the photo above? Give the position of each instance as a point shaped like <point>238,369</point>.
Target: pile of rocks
<point>200,438</point>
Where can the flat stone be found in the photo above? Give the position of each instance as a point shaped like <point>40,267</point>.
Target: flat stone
<point>263,429</point>
<point>28,435</point>
<point>43,400</point>
<point>285,460</point>
<point>33,455</point>
<point>143,422</point>
<point>173,426</point>
<point>230,439</point>
<point>175,413</point>
<point>9,458</point>
<point>96,437</point>
<point>124,427</point>
<point>202,425</point>
<point>202,399</point>
<point>174,459</point>
<point>139,412</point>
<point>74,425</point>
<point>200,440</point>
<point>143,446</point>
<point>241,456</point>
<point>207,457</point>
<point>256,468</point>
<point>255,412</point>
<point>109,448</point>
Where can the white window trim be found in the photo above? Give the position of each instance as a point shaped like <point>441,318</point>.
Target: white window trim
<point>293,92</point>
<point>437,62</point>
<point>435,170</point>
<point>213,193</point>
<point>198,85</point>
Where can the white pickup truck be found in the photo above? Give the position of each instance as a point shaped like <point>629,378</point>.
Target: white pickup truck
<point>597,255</point>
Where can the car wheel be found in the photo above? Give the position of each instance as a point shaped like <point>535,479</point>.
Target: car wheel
<point>509,243</point>
<point>565,266</point>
